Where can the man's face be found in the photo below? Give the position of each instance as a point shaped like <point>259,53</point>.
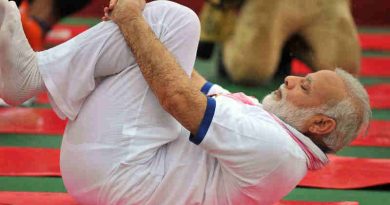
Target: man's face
<point>299,97</point>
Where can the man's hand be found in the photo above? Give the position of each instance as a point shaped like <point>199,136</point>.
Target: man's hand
<point>123,10</point>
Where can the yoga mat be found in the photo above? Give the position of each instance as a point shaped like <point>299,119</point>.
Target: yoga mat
<point>30,121</point>
<point>36,198</point>
<point>341,173</point>
<point>378,135</point>
<point>63,32</point>
<point>349,173</point>
<point>42,98</point>
<point>45,198</point>
<point>379,95</point>
<point>15,161</point>
<point>375,67</point>
<point>371,67</point>
<point>316,203</point>
<point>375,41</point>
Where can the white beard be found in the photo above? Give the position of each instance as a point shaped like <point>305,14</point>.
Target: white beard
<point>286,111</point>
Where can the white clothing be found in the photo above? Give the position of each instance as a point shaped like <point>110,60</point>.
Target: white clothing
<point>121,147</point>
<point>19,74</point>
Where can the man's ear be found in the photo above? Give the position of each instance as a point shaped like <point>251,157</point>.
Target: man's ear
<point>321,125</point>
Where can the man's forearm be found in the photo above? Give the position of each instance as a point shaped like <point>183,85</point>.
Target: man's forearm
<point>197,80</point>
<point>164,75</point>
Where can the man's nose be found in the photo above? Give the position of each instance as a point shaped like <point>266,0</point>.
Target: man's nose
<point>291,81</point>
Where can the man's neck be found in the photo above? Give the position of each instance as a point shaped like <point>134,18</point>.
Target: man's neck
<point>317,140</point>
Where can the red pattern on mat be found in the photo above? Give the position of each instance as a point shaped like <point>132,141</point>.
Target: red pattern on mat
<point>376,67</point>
<point>349,173</point>
<point>42,98</point>
<point>379,95</point>
<point>341,173</point>
<point>378,135</point>
<point>36,198</point>
<point>16,161</point>
<point>371,67</point>
<point>42,198</point>
<point>30,121</point>
<point>375,41</point>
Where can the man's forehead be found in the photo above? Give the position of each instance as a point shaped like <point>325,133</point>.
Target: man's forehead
<point>326,76</point>
<point>329,83</point>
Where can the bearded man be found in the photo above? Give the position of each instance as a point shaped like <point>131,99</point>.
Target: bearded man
<point>133,106</point>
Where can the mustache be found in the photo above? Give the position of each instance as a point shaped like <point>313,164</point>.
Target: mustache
<point>282,89</point>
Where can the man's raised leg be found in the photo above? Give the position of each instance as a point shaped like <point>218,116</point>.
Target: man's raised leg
<point>19,75</point>
<point>102,51</point>
<point>99,52</point>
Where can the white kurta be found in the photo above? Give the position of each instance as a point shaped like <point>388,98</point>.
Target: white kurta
<point>121,147</point>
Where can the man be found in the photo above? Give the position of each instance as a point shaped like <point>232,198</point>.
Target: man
<point>129,123</point>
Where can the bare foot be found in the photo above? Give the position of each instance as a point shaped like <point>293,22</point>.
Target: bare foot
<point>18,62</point>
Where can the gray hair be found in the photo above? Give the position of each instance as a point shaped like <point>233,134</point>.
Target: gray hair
<point>352,114</point>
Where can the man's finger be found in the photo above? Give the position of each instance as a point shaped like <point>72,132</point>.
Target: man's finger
<point>112,4</point>
<point>106,12</point>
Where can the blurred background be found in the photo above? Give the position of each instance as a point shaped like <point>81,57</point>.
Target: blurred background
<point>365,12</point>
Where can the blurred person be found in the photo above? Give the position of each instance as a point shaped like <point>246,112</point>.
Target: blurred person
<point>258,37</point>
<point>39,16</point>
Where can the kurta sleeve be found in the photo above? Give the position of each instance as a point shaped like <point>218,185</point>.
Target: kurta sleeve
<point>243,138</point>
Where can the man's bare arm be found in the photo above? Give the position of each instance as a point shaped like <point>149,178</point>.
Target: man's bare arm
<point>166,78</point>
<point>197,80</point>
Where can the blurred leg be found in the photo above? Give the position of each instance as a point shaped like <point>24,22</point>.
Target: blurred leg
<point>252,54</point>
<point>72,70</point>
<point>333,39</point>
